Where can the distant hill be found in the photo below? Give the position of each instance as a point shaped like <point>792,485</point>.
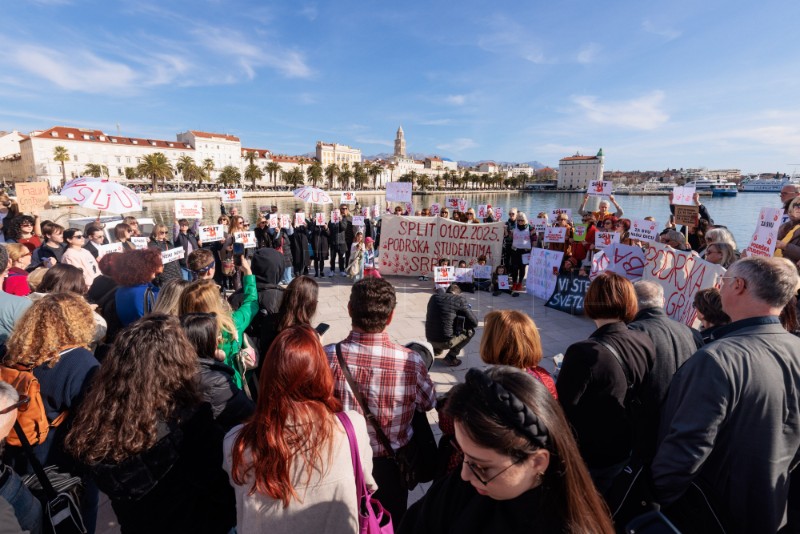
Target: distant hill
<point>421,157</point>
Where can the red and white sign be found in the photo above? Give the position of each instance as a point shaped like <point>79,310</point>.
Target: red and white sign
<point>543,272</point>
<point>481,213</point>
<point>212,233</point>
<point>172,254</point>
<point>358,220</point>
<point>643,230</point>
<point>540,225</point>
<point>286,221</point>
<point>435,209</point>
<point>605,239</point>
<point>558,211</point>
<point>102,250</point>
<point>300,219</point>
<point>231,195</point>
<point>348,197</point>
<point>188,209</point>
<point>452,202</point>
<point>376,211</point>
<point>273,222</point>
<point>502,281</point>
<point>526,259</point>
<point>444,274</point>
<point>335,216</point>
<point>365,211</point>
<point>398,192</point>
<point>683,196</point>
<point>248,239</point>
<point>765,238</point>
<point>555,234</point>
<point>463,205</point>
<point>600,188</point>
<point>319,218</point>
<point>498,214</point>
<point>521,239</point>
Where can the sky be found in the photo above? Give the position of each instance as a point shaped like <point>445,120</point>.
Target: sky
<point>657,85</point>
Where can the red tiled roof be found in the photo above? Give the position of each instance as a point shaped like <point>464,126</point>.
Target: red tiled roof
<point>575,158</point>
<point>214,135</point>
<point>288,159</point>
<point>97,136</point>
<point>262,152</point>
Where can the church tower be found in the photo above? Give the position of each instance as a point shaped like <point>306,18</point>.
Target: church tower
<point>400,144</point>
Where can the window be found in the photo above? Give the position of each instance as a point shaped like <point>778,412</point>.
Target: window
<point>71,136</point>
<point>54,134</point>
<point>75,157</point>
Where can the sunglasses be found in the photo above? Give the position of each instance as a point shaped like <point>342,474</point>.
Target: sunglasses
<point>77,236</point>
<point>22,402</point>
<point>162,233</point>
<point>26,224</point>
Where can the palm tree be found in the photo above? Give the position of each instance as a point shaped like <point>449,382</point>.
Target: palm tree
<point>250,157</point>
<point>184,166</point>
<point>391,171</point>
<point>314,172</point>
<point>273,168</point>
<point>423,181</point>
<point>302,161</point>
<point>253,173</point>
<point>344,176</point>
<point>229,176</point>
<point>155,166</point>
<point>208,166</point>
<point>61,155</point>
<point>93,169</point>
<point>294,177</point>
<point>359,175</point>
<point>467,176</point>
<point>193,172</point>
<point>375,170</point>
<point>331,171</point>
<point>130,173</point>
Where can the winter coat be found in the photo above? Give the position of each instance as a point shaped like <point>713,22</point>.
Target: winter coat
<point>300,254</point>
<point>283,243</point>
<point>338,232</point>
<point>443,308</point>
<point>792,250</point>
<point>242,317</point>
<point>319,241</point>
<point>172,270</point>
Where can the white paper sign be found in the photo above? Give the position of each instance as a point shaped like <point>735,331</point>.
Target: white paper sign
<point>643,230</point>
<point>463,274</point>
<point>543,272</point>
<point>348,197</point>
<point>286,221</point>
<point>300,219</point>
<point>599,188</point>
<point>231,195</point>
<point>358,220</point>
<point>444,274</point>
<point>365,211</point>
<point>502,281</point>
<point>683,196</point>
<point>451,202</point>
<point>248,239</point>
<point>139,242</point>
<point>540,225</point>
<point>335,216</point>
<point>498,214</point>
<point>212,233</point>
<point>409,208</point>
<point>102,250</point>
<point>526,259</point>
<point>481,213</point>
<point>605,239</point>
<point>273,223</point>
<point>398,191</point>
<point>435,209</point>
<point>319,218</point>
<point>765,238</point>
<point>521,238</point>
<point>172,254</point>
<point>558,211</point>
<point>463,205</point>
<point>376,211</point>
<point>188,209</point>
<point>482,271</point>
<point>555,234</point>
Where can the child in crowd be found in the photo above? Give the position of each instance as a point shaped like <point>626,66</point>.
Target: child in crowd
<point>482,284</point>
<point>496,290</point>
<point>370,269</point>
<point>443,262</point>
<point>469,287</point>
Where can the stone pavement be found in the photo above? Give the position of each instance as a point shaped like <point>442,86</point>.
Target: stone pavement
<point>557,329</point>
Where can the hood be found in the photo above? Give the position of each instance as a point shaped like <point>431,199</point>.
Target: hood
<point>267,265</point>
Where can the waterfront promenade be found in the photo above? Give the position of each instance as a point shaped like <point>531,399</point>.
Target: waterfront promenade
<point>558,330</point>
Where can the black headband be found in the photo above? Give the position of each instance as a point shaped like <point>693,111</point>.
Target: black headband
<point>511,410</point>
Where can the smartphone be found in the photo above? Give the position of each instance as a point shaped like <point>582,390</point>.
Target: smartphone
<point>322,328</point>
<point>238,252</point>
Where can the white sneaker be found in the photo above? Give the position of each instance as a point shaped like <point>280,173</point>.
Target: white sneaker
<point>343,274</point>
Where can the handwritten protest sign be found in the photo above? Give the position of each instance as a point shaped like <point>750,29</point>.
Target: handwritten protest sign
<point>376,211</point>
<point>579,232</point>
<point>435,209</point>
<point>625,260</point>
<point>540,225</point>
<point>335,216</point>
<point>765,238</point>
<point>686,215</point>
<point>286,221</point>
<point>140,243</point>
<point>502,281</point>
<point>172,254</point>
<point>188,209</point>
<point>411,246</point>
<point>681,274</point>
<point>212,233</point>
<point>451,202</point>
<point>543,272</point>
<point>463,274</point>
<point>273,222</point>
<point>599,188</point>
<point>348,197</point>
<point>231,195</point>
<point>520,238</point>
<point>526,259</point>
<point>365,212</point>
<point>642,230</point>
<point>463,204</point>
<point>498,214</point>
<point>32,196</point>
<point>605,239</point>
<point>482,271</point>
<point>248,239</point>
<point>319,218</point>
<point>444,274</point>
<point>481,213</point>
<point>683,196</point>
<point>398,191</point>
<point>569,294</point>
<point>358,220</point>
<point>558,211</point>
<point>300,219</point>
<point>102,250</point>
<point>600,262</point>
<point>409,208</point>
<point>555,234</point>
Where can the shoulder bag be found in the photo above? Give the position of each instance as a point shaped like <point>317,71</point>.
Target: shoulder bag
<point>416,460</point>
<point>372,518</point>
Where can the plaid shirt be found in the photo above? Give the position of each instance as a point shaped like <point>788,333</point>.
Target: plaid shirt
<point>392,379</point>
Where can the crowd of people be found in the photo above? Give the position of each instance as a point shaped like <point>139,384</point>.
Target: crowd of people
<point>198,395</point>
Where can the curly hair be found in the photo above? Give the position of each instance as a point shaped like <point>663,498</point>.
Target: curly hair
<point>63,278</point>
<point>54,323</point>
<point>108,263</point>
<point>148,377</point>
<point>141,266</point>
<point>15,226</point>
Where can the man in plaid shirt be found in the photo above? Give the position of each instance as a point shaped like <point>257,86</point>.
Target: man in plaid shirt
<point>392,379</point>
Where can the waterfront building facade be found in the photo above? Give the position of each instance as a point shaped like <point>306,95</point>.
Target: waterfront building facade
<point>575,172</point>
<point>328,153</point>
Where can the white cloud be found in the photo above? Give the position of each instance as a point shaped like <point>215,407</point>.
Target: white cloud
<point>588,53</point>
<point>456,100</point>
<point>458,145</point>
<point>509,37</point>
<point>436,122</point>
<point>643,113</point>
<point>310,12</point>
<point>662,31</point>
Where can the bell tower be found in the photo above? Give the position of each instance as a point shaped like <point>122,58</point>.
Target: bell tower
<point>400,144</point>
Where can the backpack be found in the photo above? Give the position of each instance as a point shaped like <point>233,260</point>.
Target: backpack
<point>33,417</point>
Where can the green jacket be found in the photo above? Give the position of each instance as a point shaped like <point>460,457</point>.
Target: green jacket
<point>241,319</point>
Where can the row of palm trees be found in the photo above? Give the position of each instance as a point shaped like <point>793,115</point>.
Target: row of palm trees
<point>461,180</point>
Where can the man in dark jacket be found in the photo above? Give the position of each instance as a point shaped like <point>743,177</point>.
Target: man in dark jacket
<point>338,241</point>
<point>731,415</point>
<point>674,343</point>
<point>449,323</point>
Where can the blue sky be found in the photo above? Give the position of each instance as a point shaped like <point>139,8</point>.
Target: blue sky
<point>655,84</point>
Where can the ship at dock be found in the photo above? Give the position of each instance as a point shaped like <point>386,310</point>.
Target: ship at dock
<point>759,184</point>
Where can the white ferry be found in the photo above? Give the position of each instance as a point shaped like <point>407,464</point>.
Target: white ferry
<point>768,185</point>
<point>707,184</point>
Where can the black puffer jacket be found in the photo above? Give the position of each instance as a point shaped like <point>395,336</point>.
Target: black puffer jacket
<point>172,270</point>
<point>229,404</point>
<point>443,308</point>
<point>300,255</point>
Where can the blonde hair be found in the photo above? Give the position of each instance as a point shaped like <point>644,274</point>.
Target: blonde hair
<point>169,297</point>
<point>35,277</point>
<point>510,338</point>
<point>55,322</point>
<point>521,215</point>
<point>16,251</point>
<point>202,296</point>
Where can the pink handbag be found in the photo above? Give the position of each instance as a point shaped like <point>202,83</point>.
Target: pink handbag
<point>372,518</point>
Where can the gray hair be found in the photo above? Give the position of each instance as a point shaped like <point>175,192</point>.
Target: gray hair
<point>8,396</point>
<point>773,281</point>
<point>649,294</point>
<point>728,253</point>
<point>3,258</point>
<point>720,235</point>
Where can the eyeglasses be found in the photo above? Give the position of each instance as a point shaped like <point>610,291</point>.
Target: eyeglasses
<point>480,472</point>
<point>22,402</point>
<point>723,278</point>
<point>26,224</point>
<point>795,207</point>
<point>77,236</point>
<point>162,233</point>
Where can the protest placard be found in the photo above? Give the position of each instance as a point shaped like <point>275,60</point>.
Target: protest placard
<point>683,195</point>
<point>555,234</point>
<point>599,264</point>
<point>502,281</point>
<point>231,195</point>
<point>319,218</point>
<point>482,271</point>
<point>248,239</point>
<point>435,209</point>
<point>376,211</point>
<point>32,196</point>
<point>335,216</point>
<point>543,272</point>
<point>558,211</point>
<point>540,225</point>
<point>642,230</point>
<point>365,212</point>
<point>286,221</point>
<point>172,254</point>
<point>188,209</point>
<point>139,243</point>
<point>102,250</point>
<point>520,238</point>
<point>398,192</point>
<point>681,274</point>
<point>481,213</point>
<point>605,239</point>
<point>409,208</point>
<point>463,274</point>
<point>526,259</point>
<point>451,202</point>
<point>300,218</point>
<point>348,197</point>
<point>463,205</point>
<point>625,260</point>
<point>273,222</point>
<point>358,220</point>
<point>442,274</point>
<point>212,233</point>
<point>600,188</point>
<point>569,294</point>
<point>687,215</point>
<point>765,238</point>
<point>411,246</point>
<point>579,232</point>
<point>498,214</point>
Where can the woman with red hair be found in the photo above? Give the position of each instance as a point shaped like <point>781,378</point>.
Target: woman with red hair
<point>136,294</point>
<point>290,465</point>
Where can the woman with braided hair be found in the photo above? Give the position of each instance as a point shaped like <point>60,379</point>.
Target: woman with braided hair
<point>522,471</point>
